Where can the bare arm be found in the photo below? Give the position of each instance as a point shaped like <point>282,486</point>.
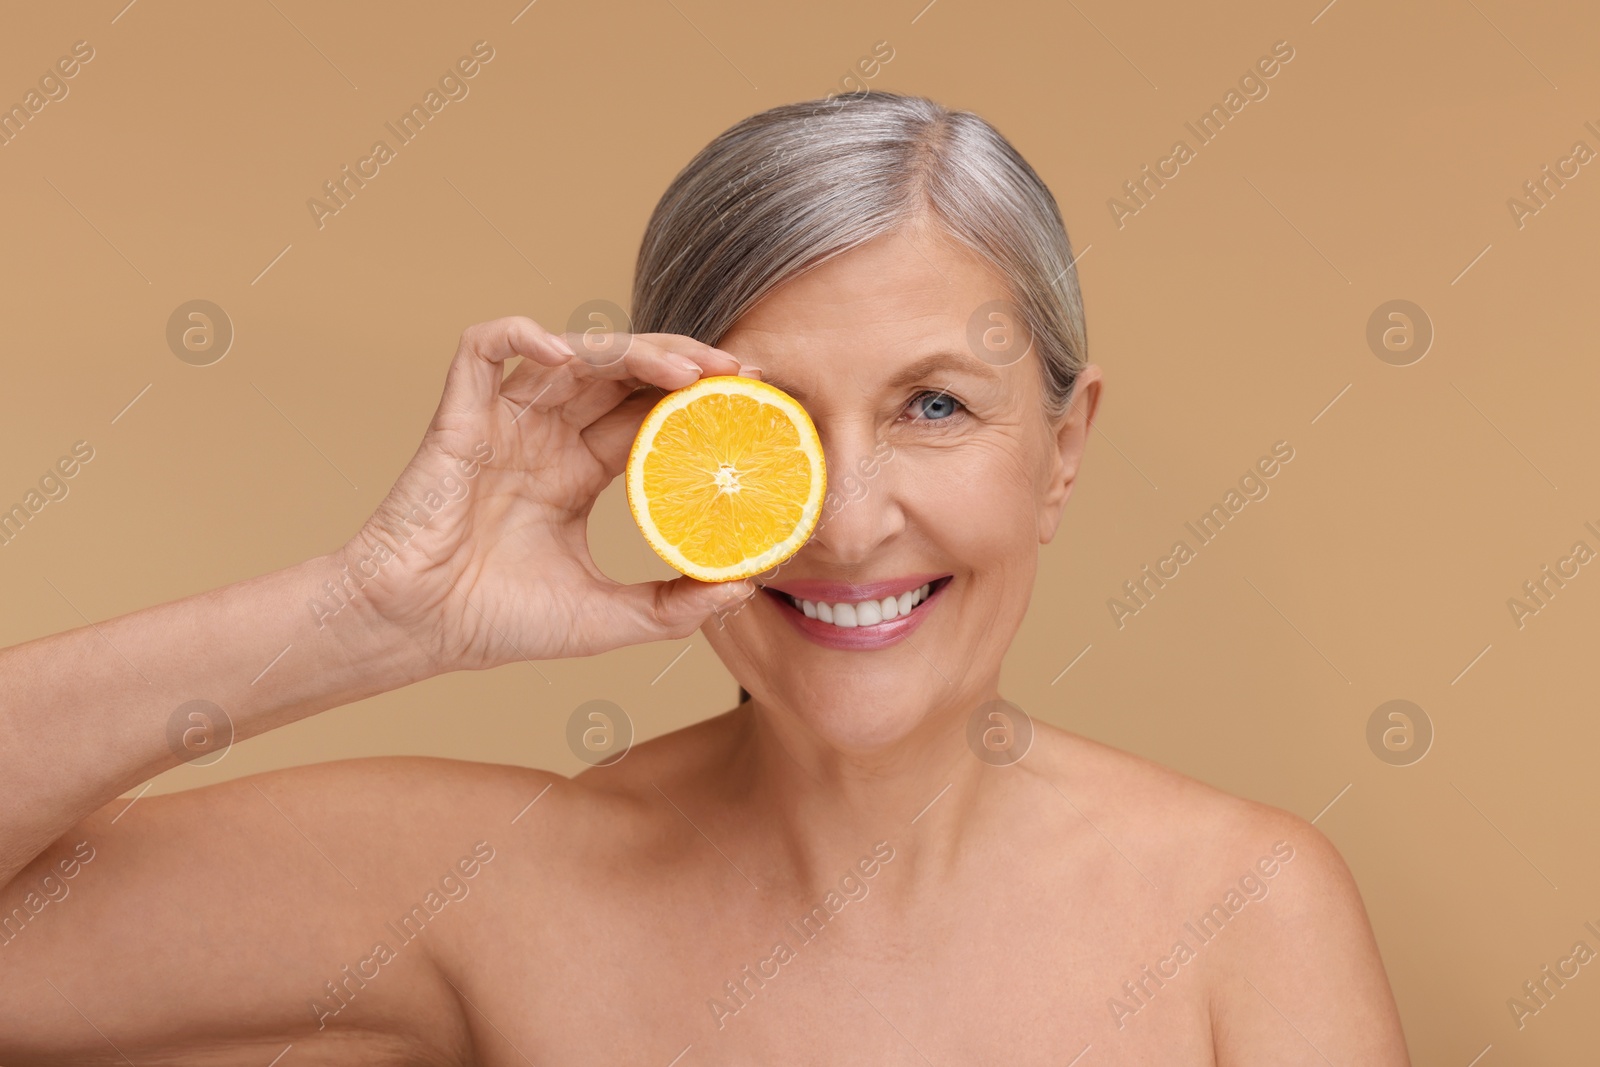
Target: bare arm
<point>228,898</point>
<point>90,713</point>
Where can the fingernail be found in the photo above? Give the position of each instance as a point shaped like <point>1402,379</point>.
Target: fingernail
<point>689,365</point>
<point>750,372</point>
<point>562,345</point>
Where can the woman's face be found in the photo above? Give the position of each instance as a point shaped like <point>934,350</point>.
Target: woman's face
<point>943,472</point>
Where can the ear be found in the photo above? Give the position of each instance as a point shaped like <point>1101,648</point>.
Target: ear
<point>1069,438</point>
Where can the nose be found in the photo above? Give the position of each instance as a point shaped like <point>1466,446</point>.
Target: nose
<point>861,511</point>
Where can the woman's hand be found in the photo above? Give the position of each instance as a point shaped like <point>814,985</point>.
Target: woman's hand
<point>480,550</point>
<point>476,557</point>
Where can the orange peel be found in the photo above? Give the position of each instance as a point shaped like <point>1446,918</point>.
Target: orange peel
<point>726,478</point>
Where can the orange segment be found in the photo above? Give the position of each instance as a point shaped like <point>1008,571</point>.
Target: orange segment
<point>726,478</point>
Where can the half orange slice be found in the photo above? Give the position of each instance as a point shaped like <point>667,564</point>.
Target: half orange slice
<point>726,478</point>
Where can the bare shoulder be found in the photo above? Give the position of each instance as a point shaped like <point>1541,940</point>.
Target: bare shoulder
<point>1261,901</point>
<point>1193,836</point>
<point>412,809</point>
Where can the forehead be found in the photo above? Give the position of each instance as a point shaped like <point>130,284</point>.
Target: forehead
<point>870,314</point>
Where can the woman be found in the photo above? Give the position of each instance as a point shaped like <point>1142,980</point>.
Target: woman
<point>847,867</point>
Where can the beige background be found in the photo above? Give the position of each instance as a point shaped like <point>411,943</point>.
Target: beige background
<point>1228,314</point>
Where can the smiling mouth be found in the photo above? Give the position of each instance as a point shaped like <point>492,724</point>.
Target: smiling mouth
<point>862,614</point>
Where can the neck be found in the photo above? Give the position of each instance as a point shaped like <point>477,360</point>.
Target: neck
<point>820,807</point>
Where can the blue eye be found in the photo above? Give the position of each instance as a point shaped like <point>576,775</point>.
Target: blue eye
<point>933,406</point>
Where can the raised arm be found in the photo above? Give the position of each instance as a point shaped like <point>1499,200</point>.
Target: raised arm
<point>91,713</point>
<point>477,557</point>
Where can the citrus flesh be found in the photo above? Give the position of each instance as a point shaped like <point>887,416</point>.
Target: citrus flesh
<point>726,478</point>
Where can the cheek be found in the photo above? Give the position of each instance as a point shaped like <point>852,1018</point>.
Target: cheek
<point>981,493</point>
<point>980,509</point>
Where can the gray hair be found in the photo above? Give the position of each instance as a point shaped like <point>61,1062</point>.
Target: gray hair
<point>784,190</point>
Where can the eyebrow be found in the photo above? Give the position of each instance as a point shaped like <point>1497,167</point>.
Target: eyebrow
<point>923,369</point>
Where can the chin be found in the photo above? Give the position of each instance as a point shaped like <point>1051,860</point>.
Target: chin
<point>868,711</point>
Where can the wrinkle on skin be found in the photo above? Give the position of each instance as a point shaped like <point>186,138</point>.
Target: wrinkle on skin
<point>835,737</point>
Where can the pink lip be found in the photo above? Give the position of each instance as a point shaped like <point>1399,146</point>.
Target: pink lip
<point>860,638</point>
<point>833,592</point>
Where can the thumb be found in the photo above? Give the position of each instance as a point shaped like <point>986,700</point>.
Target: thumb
<point>678,608</point>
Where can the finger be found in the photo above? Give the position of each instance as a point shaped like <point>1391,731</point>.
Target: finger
<point>610,437</point>
<point>533,384</point>
<point>600,349</point>
<point>473,382</point>
<point>665,360</point>
<point>582,399</point>
<point>656,611</point>
<point>611,432</point>
<point>594,407</point>
<point>581,393</point>
<point>592,401</point>
<point>713,359</point>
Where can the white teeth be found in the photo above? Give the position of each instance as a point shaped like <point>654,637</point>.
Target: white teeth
<point>850,614</point>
